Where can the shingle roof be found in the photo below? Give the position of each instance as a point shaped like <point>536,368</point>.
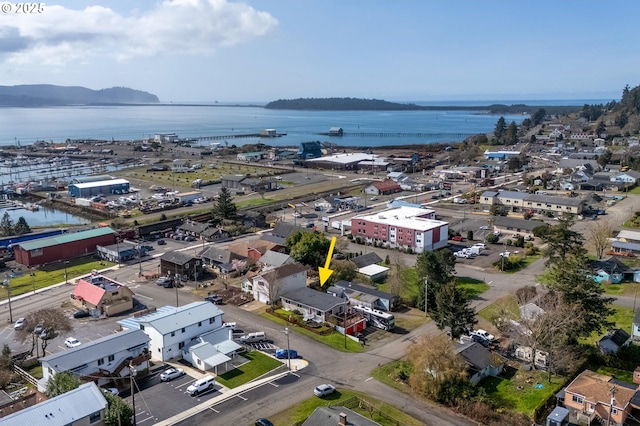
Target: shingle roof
<point>169,318</point>
<point>177,257</point>
<point>330,416</point>
<point>274,258</point>
<point>386,185</point>
<point>64,409</point>
<point>512,222</point>
<point>65,238</point>
<point>474,354</point>
<point>220,255</point>
<point>285,229</point>
<point>234,178</point>
<point>196,227</point>
<point>351,287</point>
<point>313,298</point>
<point>96,349</point>
<point>595,388</point>
<point>283,271</point>
<point>366,260</point>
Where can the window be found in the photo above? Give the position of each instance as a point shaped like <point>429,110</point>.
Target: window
<point>614,411</point>
<point>94,417</point>
<point>173,333</point>
<point>101,361</point>
<point>114,293</point>
<point>578,399</point>
<point>111,357</point>
<point>199,323</point>
<point>180,345</point>
<point>212,320</point>
<point>141,327</point>
<point>183,329</point>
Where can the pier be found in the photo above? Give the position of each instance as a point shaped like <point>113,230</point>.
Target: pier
<point>403,135</point>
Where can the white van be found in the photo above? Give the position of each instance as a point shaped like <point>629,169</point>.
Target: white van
<point>201,385</point>
<point>257,337</point>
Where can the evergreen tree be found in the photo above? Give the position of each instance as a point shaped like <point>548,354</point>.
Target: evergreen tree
<point>225,208</point>
<point>6,225</point>
<point>453,310</point>
<point>22,227</point>
<point>61,383</point>
<point>501,127</point>
<point>435,269</point>
<point>511,135</point>
<point>118,413</point>
<point>538,116</point>
<point>563,241</point>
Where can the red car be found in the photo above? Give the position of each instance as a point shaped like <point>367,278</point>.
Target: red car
<point>457,238</point>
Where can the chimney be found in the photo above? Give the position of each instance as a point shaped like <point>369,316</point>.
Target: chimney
<point>343,420</point>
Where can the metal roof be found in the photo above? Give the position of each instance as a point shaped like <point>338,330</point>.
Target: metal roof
<point>65,238</point>
<point>62,410</point>
<point>94,350</point>
<point>177,257</point>
<point>100,183</point>
<point>169,318</point>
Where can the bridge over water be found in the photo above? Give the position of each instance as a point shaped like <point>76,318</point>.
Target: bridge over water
<point>415,135</point>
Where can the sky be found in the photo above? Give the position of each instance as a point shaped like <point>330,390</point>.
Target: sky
<point>263,50</point>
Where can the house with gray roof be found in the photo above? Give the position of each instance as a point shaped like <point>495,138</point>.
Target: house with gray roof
<point>337,416</point>
<point>195,229</point>
<point>480,363</point>
<point>522,201</point>
<point>100,360</point>
<point>220,258</point>
<point>212,349</point>
<point>273,259</point>
<point>180,264</point>
<point>171,328</point>
<point>364,295</point>
<point>85,405</point>
<point>314,305</point>
<point>271,284</point>
<point>615,339</point>
<point>366,260</point>
<point>511,225</point>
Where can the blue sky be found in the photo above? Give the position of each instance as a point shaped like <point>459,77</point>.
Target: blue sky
<point>262,50</point>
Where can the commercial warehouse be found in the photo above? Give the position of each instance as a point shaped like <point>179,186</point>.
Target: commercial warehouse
<point>62,247</point>
<point>105,187</point>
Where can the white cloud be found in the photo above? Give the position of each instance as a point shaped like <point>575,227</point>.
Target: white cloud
<point>59,35</point>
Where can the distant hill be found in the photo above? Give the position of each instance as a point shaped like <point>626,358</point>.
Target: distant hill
<point>32,95</point>
<point>355,104</point>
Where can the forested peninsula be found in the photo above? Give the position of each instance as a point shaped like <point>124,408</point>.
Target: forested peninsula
<point>34,95</point>
<point>356,104</point>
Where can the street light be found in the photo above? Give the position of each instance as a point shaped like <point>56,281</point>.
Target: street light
<point>7,283</point>
<point>33,279</point>
<point>132,373</point>
<point>286,331</point>
<point>66,280</point>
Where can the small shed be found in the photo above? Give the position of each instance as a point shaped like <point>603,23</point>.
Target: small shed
<point>374,272</point>
<point>558,417</point>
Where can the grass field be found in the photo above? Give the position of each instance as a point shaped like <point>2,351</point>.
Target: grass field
<point>622,318</point>
<point>496,309</point>
<point>258,365</point>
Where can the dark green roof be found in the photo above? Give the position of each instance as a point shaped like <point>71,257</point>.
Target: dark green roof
<point>65,238</point>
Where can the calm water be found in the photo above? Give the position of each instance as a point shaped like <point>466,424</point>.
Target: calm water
<point>44,217</point>
<point>27,125</point>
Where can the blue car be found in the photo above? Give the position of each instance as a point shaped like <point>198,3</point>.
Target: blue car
<point>286,354</point>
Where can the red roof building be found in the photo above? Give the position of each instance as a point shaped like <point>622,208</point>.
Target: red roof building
<point>98,292</point>
<point>384,187</point>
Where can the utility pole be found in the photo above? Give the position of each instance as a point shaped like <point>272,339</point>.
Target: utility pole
<point>286,331</point>
<point>132,372</point>
<point>344,325</point>
<point>140,260</point>
<point>613,400</point>
<point>7,284</point>
<point>426,296</point>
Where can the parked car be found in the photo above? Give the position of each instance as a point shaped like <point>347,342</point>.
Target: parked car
<point>257,337</point>
<point>38,329</point>
<point>19,324</point>
<point>263,422</point>
<point>171,373</point>
<point>286,354</point>
<point>457,238</point>
<point>201,385</point>
<point>81,314</point>
<point>324,390</point>
<point>165,281</point>
<point>484,228</point>
<point>72,342</point>
<point>479,339</point>
<point>505,254</point>
<point>112,391</point>
<point>484,334</point>
<point>296,214</point>
<point>482,246</point>
<point>374,198</point>
<point>214,298</point>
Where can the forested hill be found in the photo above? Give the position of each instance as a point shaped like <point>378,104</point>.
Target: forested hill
<point>49,95</point>
<point>355,104</point>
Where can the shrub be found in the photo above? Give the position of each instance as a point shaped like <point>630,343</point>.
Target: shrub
<point>527,216</point>
<point>519,241</point>
<point>492,239</point>
<point>470,235</point>
<point>509,242</point>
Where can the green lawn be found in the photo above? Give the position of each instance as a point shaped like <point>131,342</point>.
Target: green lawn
<point>53,274</point>
<point>622,318</point>
<point>335,340</point>
<point>472,287</point>
<point>393,373</point>
<point>499,307</point>
<point>259,364</point>
<point>624,375</point>
<point>298,413</point>
<point>520,392</point>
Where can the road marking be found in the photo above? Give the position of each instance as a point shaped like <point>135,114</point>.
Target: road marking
<point>138,421</point>
<point>241,397</point>
<point>370,378</point>
<point>490,282</point>
<point>214,410</point>
<point>143,296</point>
<point>274,385</point>
<point>294,374</point>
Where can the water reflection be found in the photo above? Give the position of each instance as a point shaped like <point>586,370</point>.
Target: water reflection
<point>44,217</point>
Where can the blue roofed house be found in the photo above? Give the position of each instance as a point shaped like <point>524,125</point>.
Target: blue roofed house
<point>101,360</point>
<point>310,150</point>
<point>85,405</point>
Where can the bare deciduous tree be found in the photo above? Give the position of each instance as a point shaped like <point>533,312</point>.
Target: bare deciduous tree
<point>47,322</point>
<point>435,363</point>
<point>600,232</point>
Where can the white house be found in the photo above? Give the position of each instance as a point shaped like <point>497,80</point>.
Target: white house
<point>630,176</point>
<point>84,405</point>
<point>270,285</point>
<point>171,329</point>
<point>104,358</point>
<point>211,349</point>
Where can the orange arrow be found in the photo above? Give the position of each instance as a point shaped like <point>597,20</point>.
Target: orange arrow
<point>325,272</point>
